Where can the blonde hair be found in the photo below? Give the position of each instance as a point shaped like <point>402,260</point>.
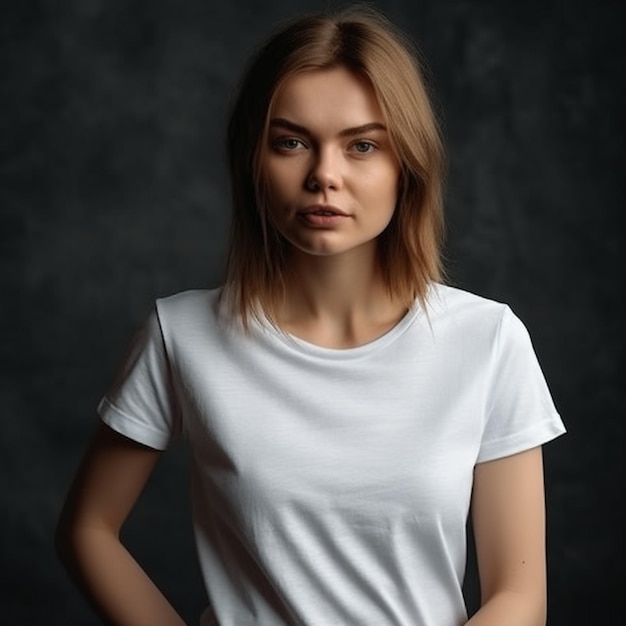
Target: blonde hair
<point>367,44</point>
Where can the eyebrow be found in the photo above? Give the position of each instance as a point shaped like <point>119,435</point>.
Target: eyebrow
<point>280,122</point>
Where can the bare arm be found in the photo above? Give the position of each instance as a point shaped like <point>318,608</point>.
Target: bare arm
<point>509,527</point>
<point>107,485</point>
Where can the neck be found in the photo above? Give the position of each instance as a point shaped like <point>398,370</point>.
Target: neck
<point>337,301</point>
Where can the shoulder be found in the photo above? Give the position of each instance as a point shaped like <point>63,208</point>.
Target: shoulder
<point>471,315</point>
<point>187,306</point>
<point>446,301</point>
<point>184,316</point>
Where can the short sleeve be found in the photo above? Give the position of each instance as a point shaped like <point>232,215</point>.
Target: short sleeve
<point>141,404</point>
<point>520,410</point>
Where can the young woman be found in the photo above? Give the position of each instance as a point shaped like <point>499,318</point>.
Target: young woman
<point>345,410</point>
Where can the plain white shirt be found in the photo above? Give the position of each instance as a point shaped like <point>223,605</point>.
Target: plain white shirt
<point>332,487</point>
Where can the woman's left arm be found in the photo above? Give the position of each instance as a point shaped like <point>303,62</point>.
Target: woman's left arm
<point>508,516</point>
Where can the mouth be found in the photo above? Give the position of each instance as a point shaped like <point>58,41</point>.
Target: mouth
<point>322,216</point>
<point>323,210</point>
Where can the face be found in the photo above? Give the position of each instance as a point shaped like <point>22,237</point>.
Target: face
<point>331,172</point>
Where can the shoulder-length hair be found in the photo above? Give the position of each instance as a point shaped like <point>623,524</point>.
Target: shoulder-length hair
<point>368,45</point>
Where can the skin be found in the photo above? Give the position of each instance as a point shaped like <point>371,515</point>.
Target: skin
<point>336,298</point>
<point>106,488</point>
<point>328,146</point>
<point>508,518</point>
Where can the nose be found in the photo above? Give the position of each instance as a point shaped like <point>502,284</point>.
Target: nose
<point>325,172</point>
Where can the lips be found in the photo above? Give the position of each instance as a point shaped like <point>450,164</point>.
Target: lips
<point>322,216</point>
<point>325,210</point>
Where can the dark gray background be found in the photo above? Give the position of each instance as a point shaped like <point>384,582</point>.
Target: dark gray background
<point>114,192</point>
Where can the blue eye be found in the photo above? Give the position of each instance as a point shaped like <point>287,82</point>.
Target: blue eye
<point>363,147</point>
<point>288,143</point>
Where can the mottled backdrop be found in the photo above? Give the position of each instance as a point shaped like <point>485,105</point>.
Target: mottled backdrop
<point>113,192</point>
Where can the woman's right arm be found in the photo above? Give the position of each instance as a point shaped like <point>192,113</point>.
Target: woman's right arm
<point>107,485</point>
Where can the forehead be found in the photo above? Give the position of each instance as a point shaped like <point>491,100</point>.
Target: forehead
<point>331,98</point>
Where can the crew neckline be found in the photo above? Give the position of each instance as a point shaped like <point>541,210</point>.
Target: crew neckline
<point>303,346</point>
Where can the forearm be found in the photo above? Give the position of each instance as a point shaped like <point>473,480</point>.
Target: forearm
<point>114,582</point>
<point>510,608</point>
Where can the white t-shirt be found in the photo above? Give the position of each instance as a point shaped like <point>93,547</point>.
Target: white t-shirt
<point>332,487</point>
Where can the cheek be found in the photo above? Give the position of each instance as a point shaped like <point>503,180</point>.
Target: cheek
<point>385,185</point>
<point>386,173</point>
<point>280,182</point>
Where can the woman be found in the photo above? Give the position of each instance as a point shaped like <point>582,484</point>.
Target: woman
<point>344,408</point>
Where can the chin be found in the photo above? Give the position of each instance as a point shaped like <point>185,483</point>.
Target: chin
<point>328,249</point>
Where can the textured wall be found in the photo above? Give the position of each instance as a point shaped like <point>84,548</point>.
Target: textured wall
<point>113,192</point>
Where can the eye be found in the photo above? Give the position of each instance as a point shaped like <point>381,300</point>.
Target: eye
<point>288,143</point>
<point>364,147</point>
